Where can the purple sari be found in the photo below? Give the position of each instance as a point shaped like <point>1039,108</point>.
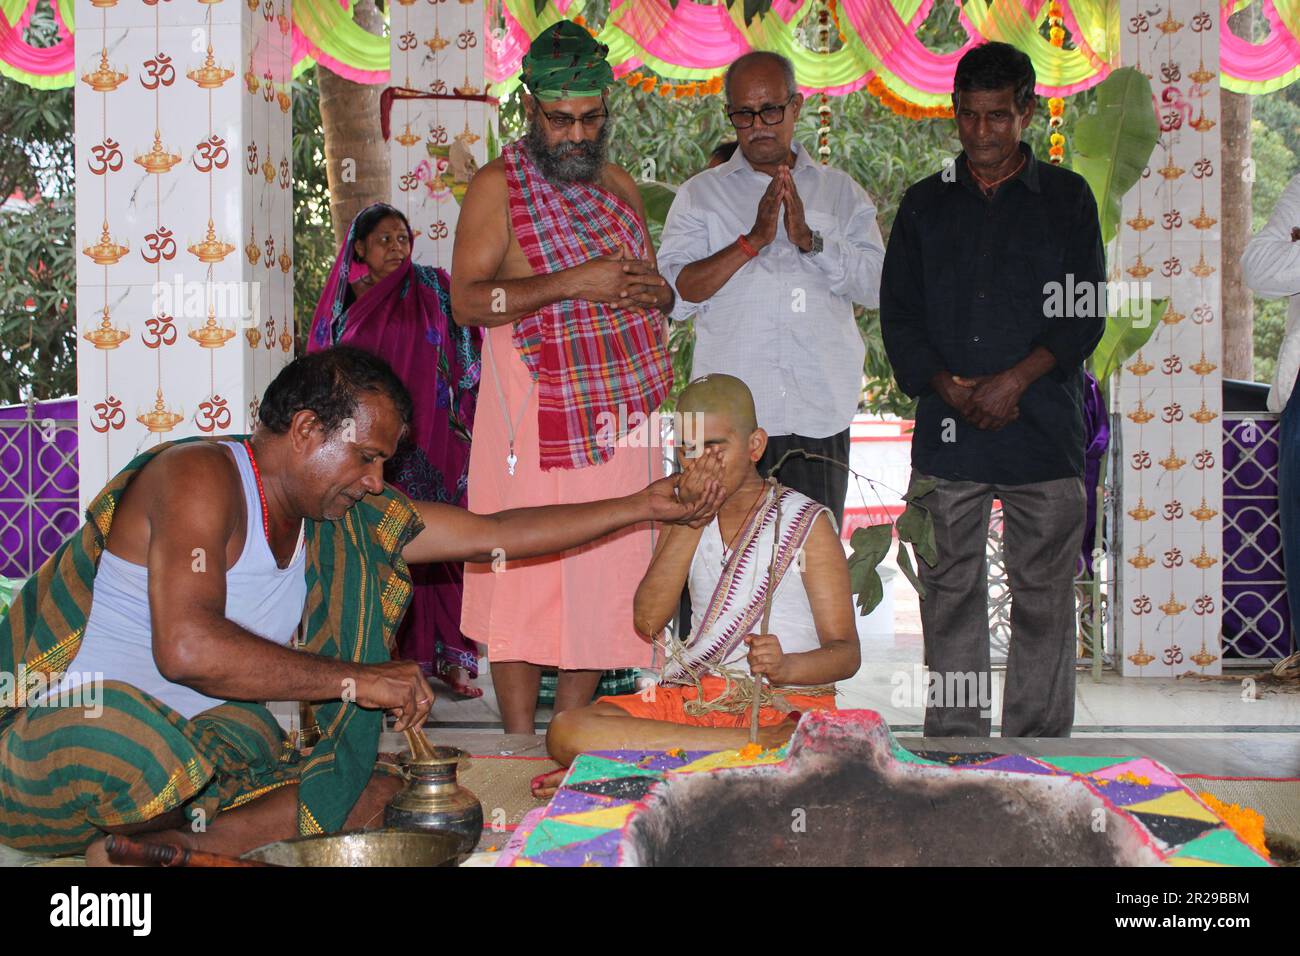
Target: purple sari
<point>1096,421</point>
<point>405,319</point>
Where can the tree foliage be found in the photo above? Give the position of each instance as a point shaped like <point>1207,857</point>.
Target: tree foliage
<point>313,236</point>
<point>1275,148</point>
<point>669,139</point>
<point>38,343</point>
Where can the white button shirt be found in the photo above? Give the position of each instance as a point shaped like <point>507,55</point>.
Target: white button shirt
<point>784,322</point>
<point>1270,266</point>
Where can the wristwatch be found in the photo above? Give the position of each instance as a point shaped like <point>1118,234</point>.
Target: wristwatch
<point>817,244</point>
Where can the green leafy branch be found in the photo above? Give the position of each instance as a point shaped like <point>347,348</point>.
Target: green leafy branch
<point>915,527</point>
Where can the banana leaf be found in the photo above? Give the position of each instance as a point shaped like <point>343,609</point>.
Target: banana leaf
<point>1124,335</point>
<point>657,197</point>
<point>8,588</point>
<point>1111,146</point>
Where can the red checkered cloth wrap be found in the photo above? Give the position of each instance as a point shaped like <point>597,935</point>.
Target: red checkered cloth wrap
<point>588,358</point>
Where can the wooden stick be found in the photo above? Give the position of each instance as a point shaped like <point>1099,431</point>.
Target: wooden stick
<point>421,749</point>
<point>126,851</point>
<point>767,616</point>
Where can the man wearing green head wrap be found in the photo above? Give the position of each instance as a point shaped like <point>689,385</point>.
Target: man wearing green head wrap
<point>554,260</point>
<point>565,62</point>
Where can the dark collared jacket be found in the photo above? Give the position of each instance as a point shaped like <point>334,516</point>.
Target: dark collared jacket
<point>967,288</point>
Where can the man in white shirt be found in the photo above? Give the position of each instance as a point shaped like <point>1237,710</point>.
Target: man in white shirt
<point>769,251</point>
<point>1271,267</point>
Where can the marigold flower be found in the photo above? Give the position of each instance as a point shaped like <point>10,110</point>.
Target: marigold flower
<point>1248,824</point>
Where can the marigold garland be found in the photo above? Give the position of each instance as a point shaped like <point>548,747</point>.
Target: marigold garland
<point>1055,113</point>
<point>1056,30</point>
<point>650,84</point>
<point>877,88</point>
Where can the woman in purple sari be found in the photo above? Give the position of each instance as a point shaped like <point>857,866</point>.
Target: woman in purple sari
<point>378,299</point>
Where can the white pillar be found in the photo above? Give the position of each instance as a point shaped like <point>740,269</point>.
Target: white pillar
<point>1170,395</point>
<point>184,221</point>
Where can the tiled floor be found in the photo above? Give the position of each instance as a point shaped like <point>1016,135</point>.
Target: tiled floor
<point>891,675</point>
<point>1255,733</point>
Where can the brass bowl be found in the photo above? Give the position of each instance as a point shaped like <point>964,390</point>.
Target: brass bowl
<point>362,848</point>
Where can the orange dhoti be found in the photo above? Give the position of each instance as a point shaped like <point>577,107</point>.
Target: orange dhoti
<point>667,702</point>
<point>572,610</point>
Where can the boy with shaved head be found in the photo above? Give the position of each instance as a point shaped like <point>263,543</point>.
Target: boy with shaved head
<point>701,701</point>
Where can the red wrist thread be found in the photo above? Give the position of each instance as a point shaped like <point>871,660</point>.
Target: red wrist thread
<point>745,247</point>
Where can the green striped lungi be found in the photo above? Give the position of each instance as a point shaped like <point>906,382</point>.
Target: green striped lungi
<point>67,773</point>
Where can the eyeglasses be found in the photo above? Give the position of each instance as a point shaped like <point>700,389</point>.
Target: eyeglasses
<point>771,115</point>
<point>561,122</point>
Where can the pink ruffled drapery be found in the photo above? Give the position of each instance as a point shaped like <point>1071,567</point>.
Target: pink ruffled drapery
<point>37,66</point>
<point>697,37</point>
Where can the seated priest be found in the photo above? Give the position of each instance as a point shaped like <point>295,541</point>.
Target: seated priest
<point>702,700</point>
<point>153,634</point>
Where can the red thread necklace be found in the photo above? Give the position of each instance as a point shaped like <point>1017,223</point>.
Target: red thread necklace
<point>989,187</point>
<point>261,492</point>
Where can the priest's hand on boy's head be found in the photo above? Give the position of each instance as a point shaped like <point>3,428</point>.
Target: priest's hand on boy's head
<point>766,657</point>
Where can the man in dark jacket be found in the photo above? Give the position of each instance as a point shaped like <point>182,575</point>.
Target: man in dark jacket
<point>985,323</point>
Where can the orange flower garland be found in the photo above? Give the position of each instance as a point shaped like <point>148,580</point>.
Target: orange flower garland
<point>833,7</point>
<point>648,84</point>
<point>876,87</point>
<point>1055,114</point>
<point>1056,31</point>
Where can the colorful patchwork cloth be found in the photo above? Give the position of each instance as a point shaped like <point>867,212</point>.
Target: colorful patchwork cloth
<point>586,820</point>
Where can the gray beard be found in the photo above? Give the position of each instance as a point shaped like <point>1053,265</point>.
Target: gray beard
<point>567,162</point>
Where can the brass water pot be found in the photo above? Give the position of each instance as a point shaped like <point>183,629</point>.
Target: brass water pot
<point>432,800</point>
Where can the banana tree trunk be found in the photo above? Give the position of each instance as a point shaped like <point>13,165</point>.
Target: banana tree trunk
<point>1238,302</point>
<point>356,156</point>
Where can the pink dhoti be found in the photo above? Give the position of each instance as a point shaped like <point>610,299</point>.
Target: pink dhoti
<point>571,610</point>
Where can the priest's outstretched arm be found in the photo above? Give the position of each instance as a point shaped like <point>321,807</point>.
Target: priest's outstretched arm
<point>454,534</point>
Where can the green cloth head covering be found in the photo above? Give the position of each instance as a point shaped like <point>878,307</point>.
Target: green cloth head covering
<point>565,61</point>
